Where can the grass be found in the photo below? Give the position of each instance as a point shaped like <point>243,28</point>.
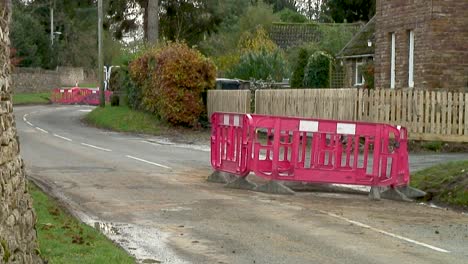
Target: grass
<point>124,119</point>
<point>446,183</point>
<point>63,239</point>
<point>31,98</point>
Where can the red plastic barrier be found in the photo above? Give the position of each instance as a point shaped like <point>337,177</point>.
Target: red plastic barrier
<point>78,96</point>
<point>314,150</point>
<point>230,143</point>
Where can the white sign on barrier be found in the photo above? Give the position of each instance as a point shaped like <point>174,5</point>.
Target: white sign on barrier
<point>61,90</point>
<point>236,120</point>
<point>226,120</point>
<point>308,126</point>
<point>346,129</point>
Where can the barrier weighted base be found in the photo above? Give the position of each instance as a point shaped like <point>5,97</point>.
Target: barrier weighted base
<point>242,184</point>
<point>221,177</point>
<point>274,187</point>
<point>411,192</point>
<point>374,193</point>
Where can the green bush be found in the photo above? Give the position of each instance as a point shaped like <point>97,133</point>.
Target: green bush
<point>317,71</point>
<point>172,79</point>
<point>297,79</point>
<point>291,16</point>
<point>262,65</point>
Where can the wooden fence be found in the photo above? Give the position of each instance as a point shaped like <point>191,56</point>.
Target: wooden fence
<point>237,101</point>
<point>317,103</point>
<point>428,115</point>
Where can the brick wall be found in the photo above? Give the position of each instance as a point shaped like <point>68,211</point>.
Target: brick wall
<point>441,43</point>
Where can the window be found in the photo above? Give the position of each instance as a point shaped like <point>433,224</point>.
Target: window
<point>359,78</point>
<point>411,59</point>
<point>393,61</point>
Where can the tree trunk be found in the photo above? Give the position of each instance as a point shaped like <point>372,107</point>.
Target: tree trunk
<point>153,21</point>
<point>17,217</point>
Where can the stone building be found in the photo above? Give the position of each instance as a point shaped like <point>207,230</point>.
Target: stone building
<point>422,44</point>
<point>17,217</point>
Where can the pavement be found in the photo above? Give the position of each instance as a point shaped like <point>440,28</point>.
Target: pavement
<point>150,195</point>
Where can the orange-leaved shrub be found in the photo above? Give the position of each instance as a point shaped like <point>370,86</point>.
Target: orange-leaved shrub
<point>172,79</point>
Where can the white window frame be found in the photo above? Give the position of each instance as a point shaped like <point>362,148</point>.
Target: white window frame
<point>411,59</point>
<point>356,75</point>
<point>392,60</point>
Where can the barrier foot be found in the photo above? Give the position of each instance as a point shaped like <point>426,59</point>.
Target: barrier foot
<point>374,193</point>
<point>411,192</point>
<point>274,187</point>
<point>221,177</point>
<point>395,194</point>
<point>241,183</point>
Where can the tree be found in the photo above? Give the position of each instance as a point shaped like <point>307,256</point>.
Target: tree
<point>153,21</point>
<point>351,10</point>
<point>188,20</point>
<point>31,49</point>
<point>74,46</point>
<point>291,16</point>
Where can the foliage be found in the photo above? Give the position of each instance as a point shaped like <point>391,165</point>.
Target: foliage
<point>279,5</point>
<point>433,145</point>
<point>115,100</point>
<point>317,71</point>
<point>262,65</point>
<point>297,79</point>
<point>173,79</point>
<point>447,183</point>
<point>368,74</point>
<point>31,98</point>
<point>257,15</point>
<point>351,10</point>
<point>288,15</point>
<point>335,37</point>
<point>63,239</point>
<point>31,49</point>
<point>256,41</point>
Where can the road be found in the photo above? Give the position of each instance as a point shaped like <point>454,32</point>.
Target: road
<point>150,195</point>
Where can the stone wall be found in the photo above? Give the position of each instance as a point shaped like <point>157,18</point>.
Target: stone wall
<point>17,216</point>
<point>33,80</point>
<point>441,43</point>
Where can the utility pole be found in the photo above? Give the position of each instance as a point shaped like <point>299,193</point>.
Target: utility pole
<point>51,25</point>
<point>102,100</point>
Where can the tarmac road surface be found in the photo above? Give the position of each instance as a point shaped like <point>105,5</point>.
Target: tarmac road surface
<point>150,196</point>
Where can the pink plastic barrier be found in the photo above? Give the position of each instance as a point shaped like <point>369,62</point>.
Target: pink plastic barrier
<point>230,143</point>
<point>78,96</point>
<point>310,150</point>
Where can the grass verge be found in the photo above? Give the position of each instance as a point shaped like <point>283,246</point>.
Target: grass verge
<point>124,119</point>
<point>63,239</point>
<point>446,183</point>
<point>31,98</point>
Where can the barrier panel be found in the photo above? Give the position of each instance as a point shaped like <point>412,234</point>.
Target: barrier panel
<point>78,96</point>
<point>230,143</point>
<point>310,150</point>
